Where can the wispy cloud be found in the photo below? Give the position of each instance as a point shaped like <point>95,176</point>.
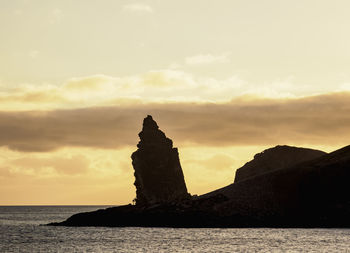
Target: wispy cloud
<point>138,7</point>
<point>152,86</point>
<point>166,86</point>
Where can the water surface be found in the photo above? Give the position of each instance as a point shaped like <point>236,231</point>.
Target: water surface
<point>20,231</point>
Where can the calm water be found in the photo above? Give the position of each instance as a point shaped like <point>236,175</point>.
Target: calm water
<point>20,232</point>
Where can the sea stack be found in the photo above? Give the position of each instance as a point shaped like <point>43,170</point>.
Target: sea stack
<point>158,173</point>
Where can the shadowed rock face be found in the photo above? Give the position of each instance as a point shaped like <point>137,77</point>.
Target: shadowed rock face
<point>158,173</point>
<point>277,158</point>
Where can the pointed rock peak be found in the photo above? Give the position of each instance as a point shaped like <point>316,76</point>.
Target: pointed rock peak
<point>152,135</point>
<point>149,124</point>
<point>158,173</point>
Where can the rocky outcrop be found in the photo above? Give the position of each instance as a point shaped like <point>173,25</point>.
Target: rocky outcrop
<point>308,194</point>
<point>279,192</point>
<point>158,173</point>
<point>279,157</point>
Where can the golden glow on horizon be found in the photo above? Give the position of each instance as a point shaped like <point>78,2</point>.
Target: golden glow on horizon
<point>84,176</point>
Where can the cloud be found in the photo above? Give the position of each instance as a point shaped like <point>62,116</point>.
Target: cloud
<point>167,78</point>
<point>205,59</point>
<point>315,120</point>
<point>165,85</point>
<point>31,97</point>
<point>91,83</point>
<point>138,7</point>
<point>152,86</point>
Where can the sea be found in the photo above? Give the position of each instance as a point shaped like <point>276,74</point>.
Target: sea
<point>22,229</point>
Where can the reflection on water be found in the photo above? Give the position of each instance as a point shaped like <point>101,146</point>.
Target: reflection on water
<point>20,232</point>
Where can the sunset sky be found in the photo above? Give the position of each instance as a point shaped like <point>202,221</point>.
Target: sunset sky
<point>223,79</point>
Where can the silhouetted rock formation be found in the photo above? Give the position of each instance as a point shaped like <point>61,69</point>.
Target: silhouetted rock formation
<point>309,194</point>
<point>279,157</point>
<point>158,173</point>
<point>277,191</point>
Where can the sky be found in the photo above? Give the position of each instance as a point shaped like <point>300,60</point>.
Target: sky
<point>224,80</point>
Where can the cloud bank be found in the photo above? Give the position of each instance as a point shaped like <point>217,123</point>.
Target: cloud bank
<point>317,120</point>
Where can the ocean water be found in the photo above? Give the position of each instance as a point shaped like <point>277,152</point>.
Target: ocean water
<point>21,231</point>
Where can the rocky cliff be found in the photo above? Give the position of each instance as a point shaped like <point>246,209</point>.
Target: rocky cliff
<point>158,173</point>
<point>277,158</point>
